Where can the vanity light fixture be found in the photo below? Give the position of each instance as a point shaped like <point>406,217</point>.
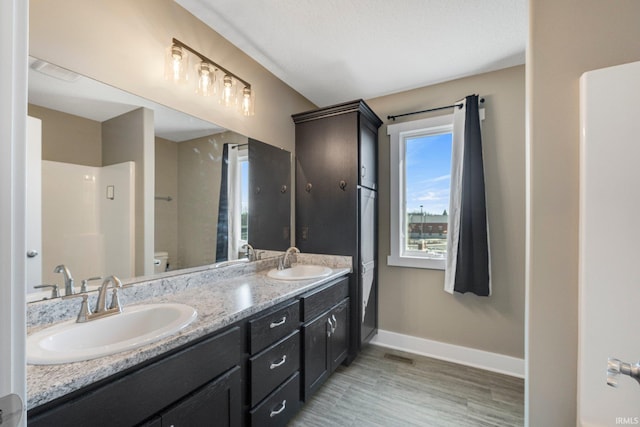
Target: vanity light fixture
<point>212,79</point>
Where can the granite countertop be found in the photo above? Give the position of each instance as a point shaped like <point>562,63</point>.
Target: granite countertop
<point>220,297</point>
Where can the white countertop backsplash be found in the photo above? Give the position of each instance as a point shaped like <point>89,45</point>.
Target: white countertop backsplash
<point>222,296</point>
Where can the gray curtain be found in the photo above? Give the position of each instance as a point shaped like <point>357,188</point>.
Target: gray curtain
<point>468,257</point>
<point>222,241</point>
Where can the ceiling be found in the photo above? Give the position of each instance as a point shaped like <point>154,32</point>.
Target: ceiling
<point>63,90</point>
<point>334,51</point>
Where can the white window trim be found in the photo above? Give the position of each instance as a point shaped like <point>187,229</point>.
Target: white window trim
<point>397,134</point>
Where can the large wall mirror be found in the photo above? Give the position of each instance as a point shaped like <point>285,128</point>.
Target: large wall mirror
<point>121,185</point>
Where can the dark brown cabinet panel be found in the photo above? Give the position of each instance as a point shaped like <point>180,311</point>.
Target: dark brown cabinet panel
<point>339,328</point>
<point>326,339</point>
<point>269,219</point>
<point>336,200</point>
<point>274,365</point>
<point>280,406</point>
<point>270,327</point>
<point>138,395</point>
<point>217,403</point>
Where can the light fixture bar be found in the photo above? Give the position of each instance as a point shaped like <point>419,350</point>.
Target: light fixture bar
<point>204,58</point>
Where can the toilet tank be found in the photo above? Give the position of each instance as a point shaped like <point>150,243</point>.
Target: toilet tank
<point>160,261</point>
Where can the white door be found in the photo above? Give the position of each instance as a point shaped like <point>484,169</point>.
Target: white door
<point>609,244</point>
<point>34,203</point>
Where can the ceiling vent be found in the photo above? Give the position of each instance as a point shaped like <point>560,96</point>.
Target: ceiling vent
<point>54,71</point>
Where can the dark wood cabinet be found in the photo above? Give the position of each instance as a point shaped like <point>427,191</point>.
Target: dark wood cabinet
<point>143,392</point>
<point>336,201</point>
<point>325,333</point>
<point>269,217</point>
<point>252,373</point>
<point>217,403</point>
<point>274,365</point>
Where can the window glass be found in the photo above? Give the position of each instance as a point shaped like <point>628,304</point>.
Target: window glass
<point>426,194</point>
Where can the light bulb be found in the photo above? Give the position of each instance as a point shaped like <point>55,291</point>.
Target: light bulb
<point>176,63</point>
<point>247,101</point>
<point>228,91</point>
<point>206,79</point>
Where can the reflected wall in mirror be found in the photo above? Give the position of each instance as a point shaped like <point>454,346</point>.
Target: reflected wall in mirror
<point>133,188</point>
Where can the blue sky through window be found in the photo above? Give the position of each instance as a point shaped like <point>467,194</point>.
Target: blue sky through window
<point>428,173</point>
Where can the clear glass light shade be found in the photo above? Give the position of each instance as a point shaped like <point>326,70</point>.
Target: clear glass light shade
<point>228,88</point>
<point>206,79</point>
<point>248,102</point>
<point>176,64</point>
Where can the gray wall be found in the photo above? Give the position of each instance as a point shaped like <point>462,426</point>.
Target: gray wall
<point>567,38</point>
<point>166,213</point>
<point>412,301</point>
<point>130,137</point>
<point>69,139</point>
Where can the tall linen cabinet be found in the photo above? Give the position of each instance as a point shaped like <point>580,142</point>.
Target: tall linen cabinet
<point>336,201</point>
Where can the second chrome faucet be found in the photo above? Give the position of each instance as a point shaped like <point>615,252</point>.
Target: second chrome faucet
<point>102,309</point>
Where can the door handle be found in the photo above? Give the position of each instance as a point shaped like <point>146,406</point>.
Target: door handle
<point>10,410</point>
<point>616,367</point>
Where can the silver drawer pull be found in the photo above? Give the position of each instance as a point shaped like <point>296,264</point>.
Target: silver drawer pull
<point>278,364</point>
<point>276,412</point>
<point>279,323</point>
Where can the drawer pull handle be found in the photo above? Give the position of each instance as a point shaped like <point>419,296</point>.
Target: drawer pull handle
<point>278,323</point>
<point>335,323</point>
<point>278,364</point>
<point>278,411</point>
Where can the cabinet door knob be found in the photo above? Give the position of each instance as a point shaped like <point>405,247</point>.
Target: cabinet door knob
<point>343,185</point>
<point>32,253</point>
<point>275,412</point>
<point>275,365</point>
<point>278,323</point>
<point>308,187</point>
<point>364,170</point>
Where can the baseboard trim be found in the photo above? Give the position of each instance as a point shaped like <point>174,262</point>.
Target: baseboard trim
<point>494,362</point>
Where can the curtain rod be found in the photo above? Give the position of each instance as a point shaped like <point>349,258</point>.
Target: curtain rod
<point>429,110</point>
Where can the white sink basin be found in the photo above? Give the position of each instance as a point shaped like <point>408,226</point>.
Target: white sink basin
<point>134,327</point>
<point>300,272</point>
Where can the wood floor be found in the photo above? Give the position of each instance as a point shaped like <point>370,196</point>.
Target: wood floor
<point>382,388</point>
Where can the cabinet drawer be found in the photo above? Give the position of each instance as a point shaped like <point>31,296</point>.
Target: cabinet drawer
<point>267,329</point>
<point>272,366</point>
<point>135,397</point>
<point>320,300</point>
<point>280,406</point>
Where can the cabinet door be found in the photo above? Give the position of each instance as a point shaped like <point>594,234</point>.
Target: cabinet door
<point>326,185</point>
<point>368,155</point>
<point>217,403</point>
<point>270,190</point>
<point>317,365</point>
<point>339,340</point>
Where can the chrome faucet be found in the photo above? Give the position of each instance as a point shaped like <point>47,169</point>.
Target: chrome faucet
<point>101,304</point>
<point>68,279</point>
<point>101,310</point>
<point>55,293</point>
<point>251,253</point>
<point>85,282</point>
<point>285,262</point>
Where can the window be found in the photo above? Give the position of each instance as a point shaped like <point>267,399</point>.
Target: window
<point>420,183</point>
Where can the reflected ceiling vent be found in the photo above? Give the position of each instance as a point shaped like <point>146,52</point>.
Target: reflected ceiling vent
<point>54,71</point>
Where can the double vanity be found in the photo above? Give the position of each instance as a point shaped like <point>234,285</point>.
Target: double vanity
<point>242,345</point>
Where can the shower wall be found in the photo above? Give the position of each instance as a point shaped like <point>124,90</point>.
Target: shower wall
<point>88,220</point>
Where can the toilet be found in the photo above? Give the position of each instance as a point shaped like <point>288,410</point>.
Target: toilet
<point>160,261</point>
